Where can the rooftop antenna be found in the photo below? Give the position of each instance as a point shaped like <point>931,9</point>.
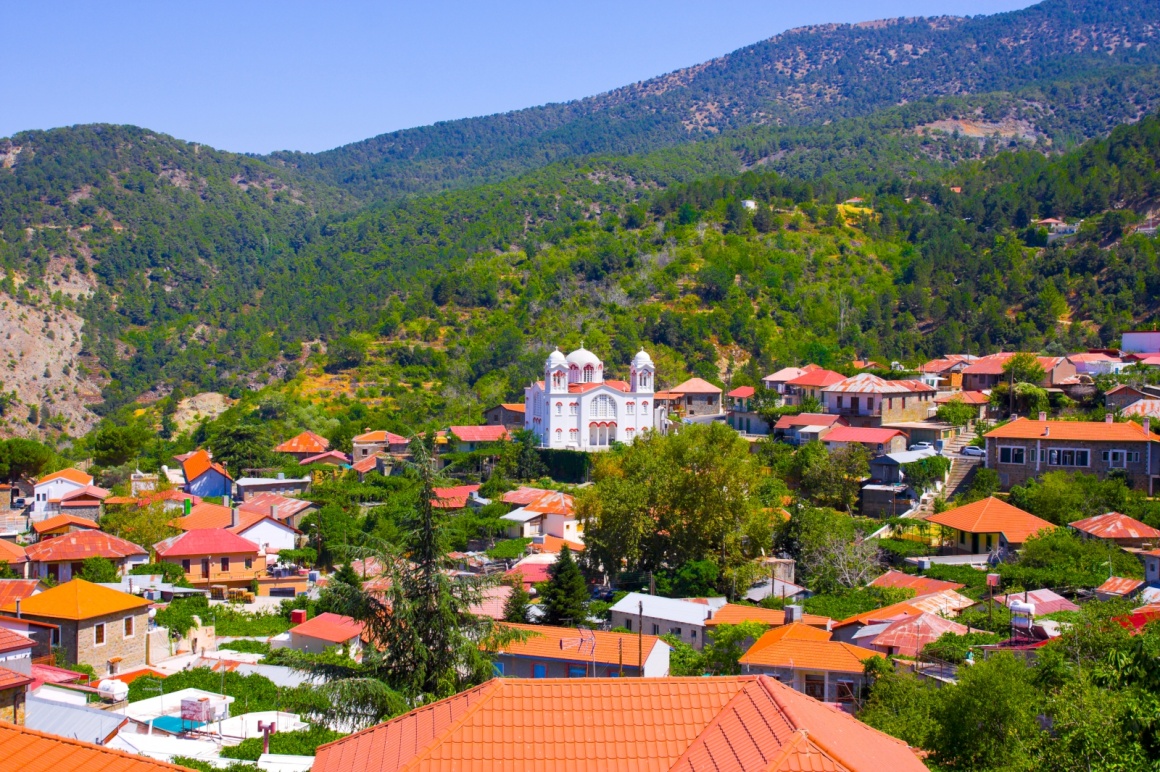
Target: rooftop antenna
<point>586,641</point>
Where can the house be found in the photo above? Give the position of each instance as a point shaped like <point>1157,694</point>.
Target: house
<point>809,386</point>
<point>250,487</point>
<point>1121,530</point>
<point>729,724</point>
<point>170,499</point>
<point>806,427</point>
<point>778,382</point>
<point>1119,397</point>
<point>304,445</point>
<point>1151,561</point>
<point>696,397</point>
<point>566,652</point>
<point>806,659</point>
<point>61,557</point>
<point>316,635</point>
<point>1118,587</point>
<point>50,489</point>
<point>869,400</point>
<point>877,441</point>
<point>509,415</point>
<point>979,400</point>
<point>205,477</point>
<point>84,502</point>
<point>1140,342</point>
<point>742,411</point>
<point>550,513</point>
<point>468,439</point>
<point>945,373</point>
<point>456,497</point>
<point>11,589</point>
<point>329,458</point>
<point>282,508</point>
<point>58,525</point>
<point>1044,601</point>
<point>1096,363</point>
<point>986,373</point>
<point>270,534</point>
<point>15,656</point>
<point>31,751</point>
<point>14,556</point>
<point>945,603</point>
<point>372,442</point>
<point>920,584</point>
<point>65,720</point>
<point>99,627</point>
<point>987,524</point>
<point>654,615</point>
<point>1143,408</point>
<point>13,695</point>
<point>735,614</point>
<point>868,364</point>
<point>906,636</point>
<point>887,468</point>
<point>1023,449</point>
<point>213,556</point>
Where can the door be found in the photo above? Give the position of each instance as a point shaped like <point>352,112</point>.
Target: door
<point>816,687</point>
<point>205,568</point>
<point>974,544</point>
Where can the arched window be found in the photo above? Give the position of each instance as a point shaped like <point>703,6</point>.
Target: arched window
<point>558,379</point>
<point>603,407</point>
<point>629,408</point>
<point>643,380</point>
<point>644,406</point>
<point>559,408</point>
<point>588,373</point>
<point>629,432</point>
<point>573,434</point>
<point>573,408</point>
<point>559,435</point>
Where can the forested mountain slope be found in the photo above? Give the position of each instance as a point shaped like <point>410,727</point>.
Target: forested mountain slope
<point>803,76</point>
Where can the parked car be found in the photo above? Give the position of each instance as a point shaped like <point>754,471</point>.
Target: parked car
<point>19,503</point>
<point>973,450</point>
<point>921,446</point>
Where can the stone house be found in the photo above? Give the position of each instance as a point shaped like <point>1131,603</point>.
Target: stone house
<point>50,489</point>
<point>507,414</point>
<point>99,627</point>
<point>696,397</point>
<point>371,442</point>
<point>1024,449</point>
<point>986,373</point>
<point>868,400</point>
<point>304,445</point>
<point>779,382</point>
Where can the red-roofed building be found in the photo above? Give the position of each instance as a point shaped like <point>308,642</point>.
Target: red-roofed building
<point>985,373</point>
<point>205,477</point>
<point>696,397</point>
<point>806,427</point>
<point>304,445</point>
<point>920,584</point>
<point>370,443</point>
<point>547,651</point>
<point>907,635</point>
<point>61,557</point>
<point>260,527</point>
<point>316,635</point>
<point>509,415</point>
<point>779,380</point>
<point>1119,529</point>
<point>741,410</point>
<point>31,751</point>
<point>329,458</point>
<point>728,724</point>
<point>877,441</point>
<point>471,438</point>
<point>530,573</point>
<point>807,659</point>
<point>15,556</point>
<point>58,525</point>
<point>810,385</point>
<point>52,488</point>
<point>1045,601</point>
<point>282,508</point>
<point>213,556</point>
<point>84,502</point>
<point>869,400</point>
<point>988,523</point>
<point>1118,587</point>
<point>456,497</point>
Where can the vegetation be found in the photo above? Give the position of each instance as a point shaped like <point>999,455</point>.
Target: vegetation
<point>565,594</point>
<point>303,743</point>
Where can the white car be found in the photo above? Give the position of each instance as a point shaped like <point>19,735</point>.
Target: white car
<point>921,446</point>
<point>973,450</point>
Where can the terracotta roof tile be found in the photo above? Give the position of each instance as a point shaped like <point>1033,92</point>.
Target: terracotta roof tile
<point>10,679</point>
<point>60,521</point>
<point>455,497</point>
<point>801,646</point>
<point>306,442</point>
<point>492,603</point>
<point>204,541</point>
<point>908,636</point>
<point>991,515</point>
<point>735,614</point>
<point>554,544</point>
<point>920,584</point>
<point>330,627</point>
<point>515,407</point>
<point>1113,525</point>
<point>321,458</point>
<point>695,386</point>
<point>72,475</point>
<point>561,643</point>
<point>944,602</point>
<point>368,464</point>
<point>79,545</point>
<point>12,553</point>
<point>867,383</point>
<point>198,463</point>
<point>742,392</point>
<point>77,599</point>
<point>480,433</point>
<point>30,751</point>
<point>1082,431</point>
<point>89,491</point>
<point>381,436</point>
<point>13,641</point>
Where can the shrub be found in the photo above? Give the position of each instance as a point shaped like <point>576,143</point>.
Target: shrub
<point>509,549</point>
<point>303,743</point>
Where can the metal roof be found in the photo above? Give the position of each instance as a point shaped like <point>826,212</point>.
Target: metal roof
<point>670,609</point>
<point>76,722</point>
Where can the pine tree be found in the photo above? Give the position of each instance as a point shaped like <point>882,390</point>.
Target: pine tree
<point>566,594</point>
<point>515,608</point>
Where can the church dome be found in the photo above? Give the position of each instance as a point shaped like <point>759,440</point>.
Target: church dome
<point>642,360</point>
<point>582,357</point>
<point>556,358</point>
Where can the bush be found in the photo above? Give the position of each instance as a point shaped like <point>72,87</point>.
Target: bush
<point>509,549</point>
<point>303,743</point>
<point>251,693</point>
<point>953,648</point>
<point>170,573</point>
<point>248,647</point>
<point>843,605</point>
<point>905,548</point>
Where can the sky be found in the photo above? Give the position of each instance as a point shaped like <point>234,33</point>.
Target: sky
<point>258,76</point>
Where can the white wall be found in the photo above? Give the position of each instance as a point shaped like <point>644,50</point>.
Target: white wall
<point>656,664</point>
<point>53,489</point>
<point>270,535</point>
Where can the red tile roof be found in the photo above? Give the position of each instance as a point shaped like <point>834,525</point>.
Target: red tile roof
<point>287,507</point>
<point>793,647</point>
<point>808,419</point>
<point>944,602</point>
<point>72,475</point>
<point>306,442</point>
<point>522,495</point>
<point>453,498</point>
<point>12,641</point>
<point>381,436</point>
<point>731,724</point>
<point>30,751</point>
<point>992,364</point>
<point>368,464</point>
<point>322,458</point>
<point>867,383</point>
<point>198,463</point>
<point>89,491</point>
<point>10,679</point>
<point>12,553</point>
<point>492,602</point>
<point>991,515</point>
<point>79,545</point>
<point>966,397</point>
<point>742,392</point>
<point>480,433</point>
<point>11,589</point>
<point>695,386</point>
<point>1113,525</point>
<point>920,584</point>
<point>205,541</point>
<point>787,374</point>
<point>863,434</point>
<point>735,614</point>
<point>62,521</point>
<point>1119,585</point>
<point>335,628</point>
<point>532,573</point>
<point>817,378</point>
<point>1081,431</point>
<point>515,407</point>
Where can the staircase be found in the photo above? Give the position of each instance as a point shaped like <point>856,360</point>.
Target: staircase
<point>959,478</point>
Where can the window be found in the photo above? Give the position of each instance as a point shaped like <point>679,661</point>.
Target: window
<point>99,634</point>
<point>56,636</point>
<point>128,627</point>
<point>630,407</point>
<point>559,408</point>
<point>588,373</point>
<point>603,407</point>
<point>656,630</point>
<point>539,670</point>
<point>644,406</point>
<point>225,564</point>
<point>573,408</point>
<point>1011,455</point>
<point>249,563</point>
<point>1067,457</point>
<point>628,625</point>
<point>1133,456</point>
<point>693,634</point>
<point>185,566</point>
<point>675,631</point>
<point>577,671</point>
<point>559,435</point>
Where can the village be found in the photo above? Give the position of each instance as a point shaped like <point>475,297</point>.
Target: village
<point>102,639</point>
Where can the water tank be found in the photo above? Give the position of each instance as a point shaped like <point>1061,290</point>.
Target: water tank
<point>112,689</point>
<point>297,616</point>
<point>1022,613</point>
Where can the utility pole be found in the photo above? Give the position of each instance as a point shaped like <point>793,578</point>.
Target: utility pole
<point>640,636</point>
<point>652,584</point>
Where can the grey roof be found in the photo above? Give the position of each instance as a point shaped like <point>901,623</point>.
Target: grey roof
<point>905,456</point>
<point>73,721</point>
<point>244,481</point>
<point>669,609</point>
<point>781,589</point>
<point>281,676</point>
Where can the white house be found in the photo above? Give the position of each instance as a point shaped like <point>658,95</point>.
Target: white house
<point>51,488</point>
<point>574,407</point>
<point>269,534</point>
<point>654,615</point>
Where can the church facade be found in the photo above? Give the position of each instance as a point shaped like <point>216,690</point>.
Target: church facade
<point>575,408</point>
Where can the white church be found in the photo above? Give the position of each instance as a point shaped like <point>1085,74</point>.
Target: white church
<point>575,408</point>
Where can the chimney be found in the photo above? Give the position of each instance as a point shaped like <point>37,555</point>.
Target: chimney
<point>793,613</point>
<point>235,517</point>
<point>18,608</point>
<point>1109,418</point>
<point>1046,431</point>
<point>1147,426</point>
<point>274,511</point>
<point>1042,415</point>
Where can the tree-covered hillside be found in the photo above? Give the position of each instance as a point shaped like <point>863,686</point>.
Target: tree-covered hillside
<point>803,76</point>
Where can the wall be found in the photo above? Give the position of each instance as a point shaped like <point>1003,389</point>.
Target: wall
<point>312,645</point>
<point>12,705</point>
<point>524,667</point>
<point>271,536</point>
<point>78,640</point>
<point>702,404</point>
<point>237,575</point>
<point>1016,474</point>
<point>694,635</point>
<point>52,489</point>
<point>211,483</point>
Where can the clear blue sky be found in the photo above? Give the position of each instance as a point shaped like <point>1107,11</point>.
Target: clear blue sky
<point>263,76</point>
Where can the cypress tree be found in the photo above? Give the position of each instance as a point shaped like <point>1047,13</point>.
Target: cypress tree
<point>566,594</point>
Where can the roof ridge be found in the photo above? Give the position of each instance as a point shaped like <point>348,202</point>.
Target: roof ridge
<point>742,693</point>
<point>486,695</point>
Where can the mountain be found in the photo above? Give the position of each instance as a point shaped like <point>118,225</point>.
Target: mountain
<point>803,76</point>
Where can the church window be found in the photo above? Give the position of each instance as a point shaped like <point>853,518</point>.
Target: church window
<point>573,408</point>
<point>559,435</point>
<point>573,434</point>
<point>559,408</point>
<point>629,407</point>
<point>644,406</point>
<point>588,373</point>
<point>603,407</point>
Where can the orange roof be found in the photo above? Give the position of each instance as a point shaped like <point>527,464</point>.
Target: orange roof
<point>12,641</point>
<point>801,646</point>
<point>920,584</point>
<point>204,515</point>
<point>306,442</point>
<point>77,599</point>
<point>966,397</point>
<point>10,679</point>
<point>992,364</point>
<point>554,544</point>
<point>72,475</point>
<point>560,643</point>
<point>453,498</point>
<point>1081,431</point>
<point>695,386</point>
<point>198,463</point>
<point>991,515</point>
<point>735,614</point>
<point>62,521</point>
<point>335,628</point>
<point>1119,585</point>
<point>1113,525</point>
<point>729,723</point>
<point>11,589</point>
<point>31,751</point>
<point>368,464</point>
<point>12,553</point>
<point>515,407</point>
<point>79,545</point>
<point>908,636</point>
<point>381,436</point>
